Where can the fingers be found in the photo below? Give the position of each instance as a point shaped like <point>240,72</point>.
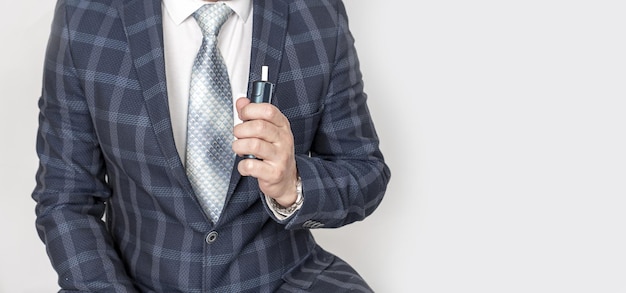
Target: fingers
<point>263,140</point>
<point>263,146</point>
<point>240,103</point>
<point>271,172</point>
<point>265,132</point>
<point>260,111</point>
<point>276,179</point>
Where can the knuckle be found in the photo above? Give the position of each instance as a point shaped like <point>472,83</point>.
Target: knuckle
<point>255,145</point>
<point>260,126</point>
<point>269,112</point>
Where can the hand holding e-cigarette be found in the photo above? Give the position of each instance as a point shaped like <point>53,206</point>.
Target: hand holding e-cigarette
<point>266,137</point>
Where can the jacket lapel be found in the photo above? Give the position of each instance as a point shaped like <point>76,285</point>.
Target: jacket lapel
<point>268,38</point>
<point>143,24</point>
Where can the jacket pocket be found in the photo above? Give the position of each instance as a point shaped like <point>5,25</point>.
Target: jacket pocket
<point>304,129</point>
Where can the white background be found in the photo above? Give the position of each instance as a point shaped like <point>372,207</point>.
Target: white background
<point>504,123</point>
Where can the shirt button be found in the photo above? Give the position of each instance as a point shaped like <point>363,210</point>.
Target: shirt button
<point>211,237</point>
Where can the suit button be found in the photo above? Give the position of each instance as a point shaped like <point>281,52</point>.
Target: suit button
<point>211,237</point>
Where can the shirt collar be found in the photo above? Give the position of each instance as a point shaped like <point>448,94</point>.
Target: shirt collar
<point>179,10</point>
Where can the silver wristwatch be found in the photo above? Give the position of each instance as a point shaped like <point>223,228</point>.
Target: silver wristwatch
<point>287,211</point>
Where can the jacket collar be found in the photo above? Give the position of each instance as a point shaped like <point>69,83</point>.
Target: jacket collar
<point>179,10</point>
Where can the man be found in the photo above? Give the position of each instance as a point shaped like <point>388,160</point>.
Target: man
<point>120,206</point>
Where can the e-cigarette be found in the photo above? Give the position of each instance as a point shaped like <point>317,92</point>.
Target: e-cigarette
<point>262,92</point>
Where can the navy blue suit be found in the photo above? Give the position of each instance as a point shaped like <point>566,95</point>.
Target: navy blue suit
<point>114,206</point>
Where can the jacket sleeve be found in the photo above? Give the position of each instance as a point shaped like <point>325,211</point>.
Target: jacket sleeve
<point>345,176</point>
<point>71,188</point>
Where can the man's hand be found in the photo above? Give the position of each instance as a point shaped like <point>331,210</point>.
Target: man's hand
<point>266,134</point>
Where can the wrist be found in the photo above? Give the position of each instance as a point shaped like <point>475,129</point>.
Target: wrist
<point>290,206</point>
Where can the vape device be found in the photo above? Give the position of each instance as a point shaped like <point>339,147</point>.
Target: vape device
<point>262,91</point>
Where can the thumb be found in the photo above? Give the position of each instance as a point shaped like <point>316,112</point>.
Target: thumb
<point>240,104</point>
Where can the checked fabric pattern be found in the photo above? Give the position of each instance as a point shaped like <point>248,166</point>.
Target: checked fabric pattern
<point>209,157</point>
<point>105,146</point>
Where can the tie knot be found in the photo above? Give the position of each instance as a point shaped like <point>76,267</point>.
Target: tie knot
<point>211,17</point>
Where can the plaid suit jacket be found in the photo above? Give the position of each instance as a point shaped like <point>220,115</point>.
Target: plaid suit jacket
<point>114,206</point>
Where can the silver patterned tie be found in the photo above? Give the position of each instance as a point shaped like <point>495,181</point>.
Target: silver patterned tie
<point>209,158</point>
